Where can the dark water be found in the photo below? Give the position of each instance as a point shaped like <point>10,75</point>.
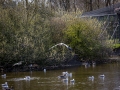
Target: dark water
<point>49,80</point>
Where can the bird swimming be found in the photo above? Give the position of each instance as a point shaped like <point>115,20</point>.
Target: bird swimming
<point>91,78</point>
<point>5,86</point>
<point>44,70</point>
<point>4,75</point>
<point>102,75</point>
<point>72,81</point>
<point>27,78</point>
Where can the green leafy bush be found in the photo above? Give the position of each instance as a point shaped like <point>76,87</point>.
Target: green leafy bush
<point>83,36</point>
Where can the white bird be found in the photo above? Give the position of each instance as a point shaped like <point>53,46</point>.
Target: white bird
<point>66,73</point>
<point>70,74</point>
<point>61,44</point>
<point>102,75</point>
<point>5,85</point>
<point>27,78</point>
<point>4,75</point>
<point>72,81</point>
<point>63,73</point>
<point>44,70</point>
<point>91,78</point>
<point>17,64</point>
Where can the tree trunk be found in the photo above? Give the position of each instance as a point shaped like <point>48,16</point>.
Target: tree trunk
<point>2,2</point>
<point>107,2</point>
<point>67,5</point>
<point>74,5</point>
<point>98,4</point>
<point>91,8</point>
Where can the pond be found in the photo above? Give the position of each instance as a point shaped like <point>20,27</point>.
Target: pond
<point>40,80</point>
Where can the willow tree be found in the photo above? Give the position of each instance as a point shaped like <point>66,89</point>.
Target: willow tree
<point>24,32</point>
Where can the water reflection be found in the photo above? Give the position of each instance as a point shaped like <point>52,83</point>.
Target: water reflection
<point>49,80</point>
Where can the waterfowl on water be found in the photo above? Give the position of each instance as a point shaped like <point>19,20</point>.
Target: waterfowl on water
<point>4,75</point>
<point>44,70</point>
<point>64,75</point>
<point>67,74</point>
<point>102,75</point>
<point>27,78</point>
<point>91,78</point>
<point>72,81</point>
<point>5,85</point>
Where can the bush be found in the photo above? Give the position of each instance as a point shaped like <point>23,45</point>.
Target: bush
<point>83,36</point>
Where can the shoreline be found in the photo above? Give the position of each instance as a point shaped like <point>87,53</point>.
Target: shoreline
<point>72,64</point>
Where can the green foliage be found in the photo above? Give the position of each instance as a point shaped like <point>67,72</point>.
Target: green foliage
<point>116,46</point>
<point>82,35</point>
<point>24,34</point>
